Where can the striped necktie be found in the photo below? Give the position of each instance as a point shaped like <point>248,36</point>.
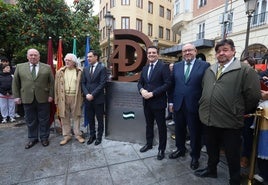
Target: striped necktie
<point>187,72</point>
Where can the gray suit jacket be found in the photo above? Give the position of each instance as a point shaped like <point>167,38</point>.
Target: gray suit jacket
<point>26,88</point>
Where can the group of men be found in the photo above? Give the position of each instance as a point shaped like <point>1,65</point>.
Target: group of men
<point>34,87</point>
<point>208,100</point>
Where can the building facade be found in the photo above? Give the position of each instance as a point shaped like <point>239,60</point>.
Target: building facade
<point>153,18</point>
<point>205,22</point>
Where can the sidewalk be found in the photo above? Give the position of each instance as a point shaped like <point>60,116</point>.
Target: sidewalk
<point>110,163</point>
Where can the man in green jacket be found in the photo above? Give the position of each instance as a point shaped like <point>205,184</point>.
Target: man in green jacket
<point>33,86</point>
<point>230,90</point>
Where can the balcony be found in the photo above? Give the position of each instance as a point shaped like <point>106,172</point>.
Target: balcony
<point>180,20</point>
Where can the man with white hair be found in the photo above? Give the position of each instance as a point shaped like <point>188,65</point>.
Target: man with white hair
<point>33,86</point>
<point>68,98</point>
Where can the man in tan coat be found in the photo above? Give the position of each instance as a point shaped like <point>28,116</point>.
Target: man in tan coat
<point>68,98</point>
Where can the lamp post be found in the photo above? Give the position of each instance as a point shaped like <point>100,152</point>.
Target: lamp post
<point>155,42</point>
<point>250,8</point>
<point>109,24</point>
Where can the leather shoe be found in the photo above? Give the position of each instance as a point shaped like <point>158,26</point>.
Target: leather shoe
<point>160,155</point>
<point>145,148</point>
<point>206,172</point>
<point>91,139</point>
<point>194,164</point>
<point>176,154</point>
<point>98,141</point>
<point>45,143</point>
<point>30,144</point>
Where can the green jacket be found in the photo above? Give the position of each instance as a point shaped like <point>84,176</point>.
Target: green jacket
<point>26,88</point>
<point>225,101</point>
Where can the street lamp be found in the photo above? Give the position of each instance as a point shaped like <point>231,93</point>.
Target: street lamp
<point>155,42</point>
<point>109,24</point>
<point>250,8</point>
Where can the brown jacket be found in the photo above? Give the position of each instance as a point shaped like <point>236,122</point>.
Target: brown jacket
<point>60,92</point>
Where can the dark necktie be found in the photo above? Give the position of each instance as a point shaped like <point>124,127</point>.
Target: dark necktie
<point>187,72</point>
<point>91,71</point>
<point>33,71</point>
<point>151,71</point>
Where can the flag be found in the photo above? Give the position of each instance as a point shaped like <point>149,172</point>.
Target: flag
<point>59,55</point>
<point>50,62</point>
<point>86,121</point>
<point>87,50</point>
<point>74,46</point>
<point>59,65</point>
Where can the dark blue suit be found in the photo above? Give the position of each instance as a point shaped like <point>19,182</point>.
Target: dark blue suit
<point>154,108</point>
<point>185,96</point>
<point>94,84</point>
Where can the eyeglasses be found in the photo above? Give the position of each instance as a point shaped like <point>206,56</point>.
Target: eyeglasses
<point>68,60</point>
<point>188,50</point>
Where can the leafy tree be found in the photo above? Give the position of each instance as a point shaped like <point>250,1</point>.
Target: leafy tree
<point>31,22</point>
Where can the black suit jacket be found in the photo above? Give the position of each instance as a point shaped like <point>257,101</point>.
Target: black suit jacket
<point>95,84</point>
<point>158,84</point>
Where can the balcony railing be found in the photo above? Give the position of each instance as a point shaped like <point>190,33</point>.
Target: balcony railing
<point>200,35</point>
<point>259,19</point>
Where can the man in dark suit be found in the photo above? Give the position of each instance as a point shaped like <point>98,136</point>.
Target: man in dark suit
<point>94,79</point>
<point>153,85</point>
<point>185,94</point>
<point>33,86</point>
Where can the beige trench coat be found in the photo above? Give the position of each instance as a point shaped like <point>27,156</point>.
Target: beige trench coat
<point>60,92</point>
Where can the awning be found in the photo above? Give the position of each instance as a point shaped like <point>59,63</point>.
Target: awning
<point>199,44</point>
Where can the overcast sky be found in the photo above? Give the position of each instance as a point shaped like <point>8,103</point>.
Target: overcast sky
<point>96,5</point>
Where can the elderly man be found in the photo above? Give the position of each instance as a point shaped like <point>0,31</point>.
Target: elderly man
<point>186,92</point>
<point>68,97</point>
<point>33,86</point>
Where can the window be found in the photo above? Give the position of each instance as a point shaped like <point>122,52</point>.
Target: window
<point>202,3</point>
<point>100,15</point>
<point>177,7</point>
<point>259,16</point>
<point>167,34</point>
<point>168,14</point>
<point>125,2</point>
<point>174,36</point>
<point>103,12</point>
<point>230,22</point>
<point>161,32</point>
<point>112,3</point>
<point>139,3</point>
<point>125,23</point>
<point>139,25</point>
<point>161,11</point>
<point>150,30</point>
<point>201,31</point>
<point>150,7</point>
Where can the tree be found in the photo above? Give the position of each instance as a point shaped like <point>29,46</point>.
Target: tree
<point>31,22</point>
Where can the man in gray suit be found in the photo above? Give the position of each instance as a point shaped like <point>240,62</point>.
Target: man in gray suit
<point>33,86</point>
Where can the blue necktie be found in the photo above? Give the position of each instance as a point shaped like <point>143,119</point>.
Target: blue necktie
<point>151,71</point>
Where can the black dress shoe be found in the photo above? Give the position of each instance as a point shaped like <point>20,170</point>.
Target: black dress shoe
<point>160,155</point>
<point>91,140</point>
<point>176,154</point>
<point>98,141</point>
<point>206,172</point>
<point>45,143</point>
<point>169,117</point>
<point>30,144</point>
<point>145,148</point>
<point>194,164</point>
